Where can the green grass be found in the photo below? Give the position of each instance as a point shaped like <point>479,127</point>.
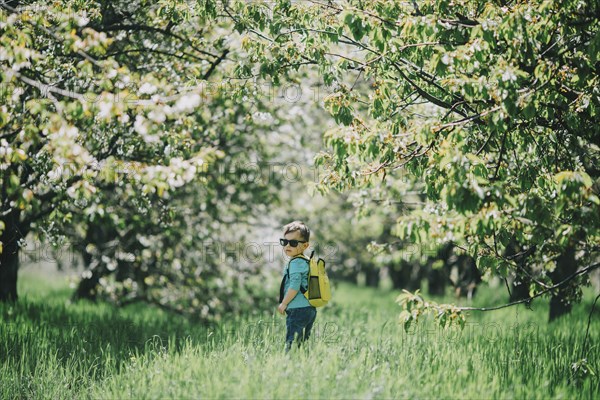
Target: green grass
<point>52,349</point>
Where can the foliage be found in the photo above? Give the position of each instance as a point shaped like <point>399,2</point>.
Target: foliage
<point>122,130</point>
<point>415,306</point>
<point>488,109</point>
<point>491,108</point>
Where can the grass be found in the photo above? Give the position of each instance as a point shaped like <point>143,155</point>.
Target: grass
<point>52,349</point>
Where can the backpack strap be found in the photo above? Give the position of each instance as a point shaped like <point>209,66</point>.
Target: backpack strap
<point>287,276</point>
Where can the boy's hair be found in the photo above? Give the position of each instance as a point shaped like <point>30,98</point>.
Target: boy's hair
<point>297,226</point>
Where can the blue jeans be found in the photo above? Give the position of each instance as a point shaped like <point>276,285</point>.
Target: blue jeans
<point>299,323</point>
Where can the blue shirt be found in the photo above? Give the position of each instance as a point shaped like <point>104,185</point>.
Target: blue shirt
<point>298,268</point>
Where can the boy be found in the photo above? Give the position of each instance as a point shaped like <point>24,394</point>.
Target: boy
<point>300,314</point>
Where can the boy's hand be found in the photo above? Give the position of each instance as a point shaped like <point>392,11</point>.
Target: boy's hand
<point>282,308</point>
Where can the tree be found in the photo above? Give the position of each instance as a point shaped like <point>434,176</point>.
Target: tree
<point>122,129</point>
<point>491,108</point>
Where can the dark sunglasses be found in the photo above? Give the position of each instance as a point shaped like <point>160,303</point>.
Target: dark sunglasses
<point>293,242</point>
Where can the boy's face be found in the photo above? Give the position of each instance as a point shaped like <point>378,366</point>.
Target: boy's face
<point>294,251</point>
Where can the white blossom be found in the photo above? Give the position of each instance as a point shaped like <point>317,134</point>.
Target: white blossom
<point>124,118</point>
<point>157,115</point>
<point>140,125</point>
<point>509,75</point>
<point>262,117</point>
<point>105,108</point>
<point>71,192</point>
<point>17,94</point>
<point>83,19</point>
<point>188,102</point>
<point>147,88</point>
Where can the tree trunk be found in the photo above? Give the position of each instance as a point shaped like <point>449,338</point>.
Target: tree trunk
<point>372,277</point>
<point>9,258</point>
<point>91,277</point>
<point>560,304</point>
<point>395,273</point>
<point>468,276</point>
<point>437,278</point>
<point>9,265</point>
<point>520,285</point>
<point>436,282</point>
<point>351,277</point>
<point>520,289</point>
<point>87,287</point>
<point>405,276</point>
<point>558,308</point>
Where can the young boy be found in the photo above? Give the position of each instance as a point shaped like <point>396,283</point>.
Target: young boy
<point>300,314</point>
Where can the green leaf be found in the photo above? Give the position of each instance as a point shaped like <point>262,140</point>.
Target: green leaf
<point>585,178</point>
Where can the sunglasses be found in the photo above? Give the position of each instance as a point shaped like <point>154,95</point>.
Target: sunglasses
<point>293,242</point>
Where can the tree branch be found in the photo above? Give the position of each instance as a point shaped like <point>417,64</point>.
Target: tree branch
<point>138,27</point>
<point>583,271</point>
<point>214,64</point>
<point>45,89</point>
<point>502,148</point>
<point>430,97</point>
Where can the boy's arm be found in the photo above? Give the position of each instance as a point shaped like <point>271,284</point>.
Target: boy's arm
<point>289,296</point>
<point>294,288</point>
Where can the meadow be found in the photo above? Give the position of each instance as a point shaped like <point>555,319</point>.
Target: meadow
<point>50,348</point>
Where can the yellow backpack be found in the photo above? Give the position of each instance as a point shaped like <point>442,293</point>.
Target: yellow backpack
<point>319,291</point>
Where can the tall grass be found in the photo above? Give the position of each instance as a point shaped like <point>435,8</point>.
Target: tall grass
<point>52,349</point>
